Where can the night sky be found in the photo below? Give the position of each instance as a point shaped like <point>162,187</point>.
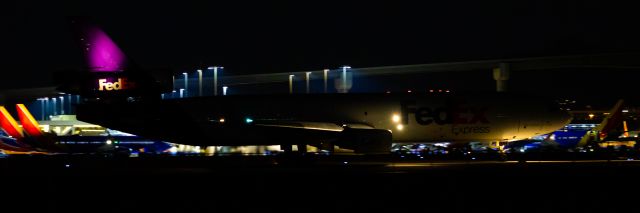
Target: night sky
<point>281,36</point>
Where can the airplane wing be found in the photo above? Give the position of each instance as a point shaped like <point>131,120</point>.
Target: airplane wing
<point>10,144</point>
<point>362,138</point>
<point>320,126</point>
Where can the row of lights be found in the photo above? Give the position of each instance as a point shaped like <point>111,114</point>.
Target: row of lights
<point>395,118</point>
<point>247,120</point>
<point>325,76</point>
<point>184,91</point>
<point>429,90</point>
<point>44,104</point>
<point>225,88</point>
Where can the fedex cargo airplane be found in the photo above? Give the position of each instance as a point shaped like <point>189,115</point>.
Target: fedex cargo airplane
<point>120,96</point>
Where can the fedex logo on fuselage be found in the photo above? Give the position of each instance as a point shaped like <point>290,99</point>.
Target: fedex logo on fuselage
<point>451,114</point>
<point>103,84</point>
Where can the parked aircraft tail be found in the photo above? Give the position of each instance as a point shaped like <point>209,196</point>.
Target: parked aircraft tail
<point>613,118</point>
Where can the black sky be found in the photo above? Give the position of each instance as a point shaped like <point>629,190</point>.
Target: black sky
<point>280,36</point>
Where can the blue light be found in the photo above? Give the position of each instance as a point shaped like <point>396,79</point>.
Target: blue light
<point>248,120</point>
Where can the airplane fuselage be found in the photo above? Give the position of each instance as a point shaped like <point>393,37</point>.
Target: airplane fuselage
<point>278,119</point>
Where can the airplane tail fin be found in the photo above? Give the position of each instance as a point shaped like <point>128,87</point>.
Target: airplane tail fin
<point>612,119</point>
<point>109,74</point>
<point>9,124</point>
<point>12,129</point>
<point>100,52</point>
<point>37,138</point>
<point>29,124</point>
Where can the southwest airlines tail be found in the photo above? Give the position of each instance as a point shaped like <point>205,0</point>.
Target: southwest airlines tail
<point>15,140</point>
<point>37,138</point>
<point>10,125</point>
<point>18,141</point>
<point>29,124</point>
<point>613,118</point>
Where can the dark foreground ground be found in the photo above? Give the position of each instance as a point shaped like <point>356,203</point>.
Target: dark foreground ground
<point>315,184</point>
